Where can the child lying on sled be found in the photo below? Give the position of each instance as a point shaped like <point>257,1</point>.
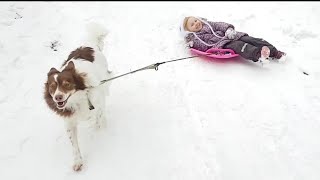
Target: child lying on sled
<point>202,35</point>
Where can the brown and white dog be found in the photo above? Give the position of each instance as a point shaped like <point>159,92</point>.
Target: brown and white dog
<point>67,90</point>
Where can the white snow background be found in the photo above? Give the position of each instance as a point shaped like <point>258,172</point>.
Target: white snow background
<point>195,119</point>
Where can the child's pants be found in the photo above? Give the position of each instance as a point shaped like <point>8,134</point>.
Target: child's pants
<point>250,48</point>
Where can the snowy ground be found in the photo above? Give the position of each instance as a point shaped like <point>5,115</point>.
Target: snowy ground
<point>193,119</point>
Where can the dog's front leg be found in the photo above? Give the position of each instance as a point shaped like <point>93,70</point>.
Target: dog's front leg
<point>71,128</point>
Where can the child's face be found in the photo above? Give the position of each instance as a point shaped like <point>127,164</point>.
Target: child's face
<point>193,24</point>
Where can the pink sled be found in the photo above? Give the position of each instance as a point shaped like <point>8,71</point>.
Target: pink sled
<point>216,53</point>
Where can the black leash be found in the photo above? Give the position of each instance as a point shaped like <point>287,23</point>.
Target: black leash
<point>152,66</point>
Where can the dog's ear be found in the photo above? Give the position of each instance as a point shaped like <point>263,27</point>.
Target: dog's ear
<point>52,71</point>
<point>70,66</point>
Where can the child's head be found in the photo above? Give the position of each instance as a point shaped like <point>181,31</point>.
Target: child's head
<point>192,24</point>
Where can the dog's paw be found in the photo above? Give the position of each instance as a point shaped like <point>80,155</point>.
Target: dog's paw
<point>100,124</point>
<point>103,122</point>
<point>97,127</point>
<point>77,166</point>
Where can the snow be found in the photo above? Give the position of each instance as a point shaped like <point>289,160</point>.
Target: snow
<point>192,119</point>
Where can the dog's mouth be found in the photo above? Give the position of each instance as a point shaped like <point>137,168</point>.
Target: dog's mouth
<point>62,104</point>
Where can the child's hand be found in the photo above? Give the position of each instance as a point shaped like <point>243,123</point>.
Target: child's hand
<point>190,44</point>
<point>230,33</point>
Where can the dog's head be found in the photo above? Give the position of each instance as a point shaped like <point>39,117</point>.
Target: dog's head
<point>60,86</point>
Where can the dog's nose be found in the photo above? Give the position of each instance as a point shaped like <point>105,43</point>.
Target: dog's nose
<point>58,97</point>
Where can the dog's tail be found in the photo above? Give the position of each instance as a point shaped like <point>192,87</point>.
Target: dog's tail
<point>96,34</point>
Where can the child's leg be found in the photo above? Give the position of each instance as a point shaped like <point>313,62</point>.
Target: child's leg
<point>259,42</point>
<point>245,50</point>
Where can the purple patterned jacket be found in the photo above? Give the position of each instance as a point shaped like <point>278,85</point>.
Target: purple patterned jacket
<point>206,35</point>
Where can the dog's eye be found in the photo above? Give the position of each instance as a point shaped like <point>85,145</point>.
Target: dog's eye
<point>52,85</point>
<point>67,85</point>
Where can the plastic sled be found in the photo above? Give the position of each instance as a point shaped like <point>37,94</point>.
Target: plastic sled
<point>216,53</point>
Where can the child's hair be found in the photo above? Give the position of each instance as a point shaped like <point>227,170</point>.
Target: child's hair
<point>185,20</point>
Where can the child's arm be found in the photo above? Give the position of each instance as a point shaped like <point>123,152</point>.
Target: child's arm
<point>220,26</point>
<point>196,44</point>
